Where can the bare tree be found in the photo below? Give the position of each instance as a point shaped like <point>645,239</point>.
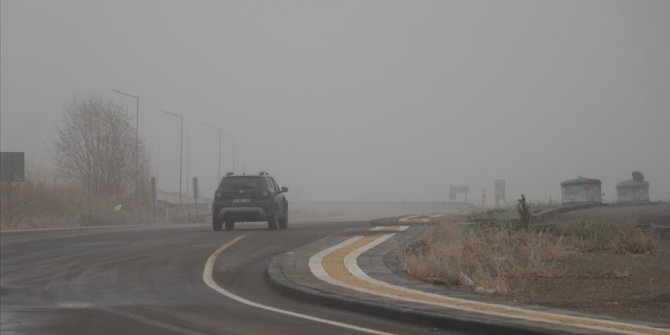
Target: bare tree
<point>96,143</point>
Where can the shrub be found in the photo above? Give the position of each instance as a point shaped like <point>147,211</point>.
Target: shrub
<point>524,212</point>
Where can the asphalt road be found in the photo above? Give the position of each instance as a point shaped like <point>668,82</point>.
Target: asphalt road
<point>150,281</point>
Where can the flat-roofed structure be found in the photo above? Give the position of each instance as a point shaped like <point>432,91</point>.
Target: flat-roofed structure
<point>580,191</point>
<point>633,190</point>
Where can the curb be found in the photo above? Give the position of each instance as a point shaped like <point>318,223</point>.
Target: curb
<point>303,285</point>
<point>278,281</point>
<point>473,324</point>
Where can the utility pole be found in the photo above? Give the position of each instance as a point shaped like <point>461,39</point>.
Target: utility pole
<point>137,139</point>
<point>181,149</point>
<point>219,130</point>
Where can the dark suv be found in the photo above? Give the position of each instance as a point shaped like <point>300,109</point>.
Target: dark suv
<point>249,198</point>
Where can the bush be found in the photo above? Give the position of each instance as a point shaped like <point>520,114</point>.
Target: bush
<point>524,212</point>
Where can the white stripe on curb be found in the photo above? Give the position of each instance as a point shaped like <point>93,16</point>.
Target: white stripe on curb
<point>209,280</point>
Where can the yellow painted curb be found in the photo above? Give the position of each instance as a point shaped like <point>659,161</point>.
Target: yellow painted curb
<point>334,265</point>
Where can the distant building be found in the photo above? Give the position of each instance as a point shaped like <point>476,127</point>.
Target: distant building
<point>633,190</point>
<point>581,190</point>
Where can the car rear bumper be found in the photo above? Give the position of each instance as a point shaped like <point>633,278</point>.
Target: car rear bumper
<point>254,212</point>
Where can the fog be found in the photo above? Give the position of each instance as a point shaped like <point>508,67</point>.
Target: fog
<point>358,100</point>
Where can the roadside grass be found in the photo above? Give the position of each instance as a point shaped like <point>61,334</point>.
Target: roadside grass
<point>453,254</point>
<point>492,259</point>
<point>39,203</point>
<point>509,211</point>
<point>622,236</point>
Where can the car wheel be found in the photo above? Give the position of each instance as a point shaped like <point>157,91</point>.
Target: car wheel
<point>283,222</point>
<point>216,224</point>
<point>230,225</point>
<point>272,221</point>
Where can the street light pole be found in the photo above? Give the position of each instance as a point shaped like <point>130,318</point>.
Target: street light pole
<point>181,147</point>
<point>137,137</point>
<point>233,136</point>
<point>219,130</point>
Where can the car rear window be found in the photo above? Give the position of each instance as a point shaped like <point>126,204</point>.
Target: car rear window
<point>236,183</point>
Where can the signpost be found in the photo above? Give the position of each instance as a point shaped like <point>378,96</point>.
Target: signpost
<point>153,197</point>
<point>12,166</point>
<point>455,190</point>
<point>195,196</point>
<point>499,191</point>
<point>12,169</point>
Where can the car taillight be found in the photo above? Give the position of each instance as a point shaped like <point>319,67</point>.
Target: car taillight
<point>218,195</point>
<point>264,194</point>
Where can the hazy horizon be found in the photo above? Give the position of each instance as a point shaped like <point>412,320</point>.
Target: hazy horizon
<point>358,101</point>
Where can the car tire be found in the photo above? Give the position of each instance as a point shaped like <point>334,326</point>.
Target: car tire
<point>283,222</point>
<point>230,225</point>
<point>272,221</point>
<point>216,224</point>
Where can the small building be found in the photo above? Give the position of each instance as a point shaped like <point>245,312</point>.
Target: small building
<point>581,190</point>
<point>633,190</point>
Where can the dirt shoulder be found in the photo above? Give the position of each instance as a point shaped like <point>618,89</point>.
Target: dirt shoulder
<point>624,285</point>
<point>601,281</point>
<point>628,286</point>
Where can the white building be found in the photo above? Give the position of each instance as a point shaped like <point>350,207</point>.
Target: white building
<point>581,190</point>
<point>633,190</point>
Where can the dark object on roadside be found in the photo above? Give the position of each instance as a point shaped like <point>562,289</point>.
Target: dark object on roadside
<point>249,199</point>
<point>524,212</point>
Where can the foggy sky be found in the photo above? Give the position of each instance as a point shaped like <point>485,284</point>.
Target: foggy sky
<point>358,100</point>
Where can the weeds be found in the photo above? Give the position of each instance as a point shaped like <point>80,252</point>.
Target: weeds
<point>37,202</point>
<point>489,257</point>
<point>493,258</point>
<point>621,237</point>
<point>509,212</point>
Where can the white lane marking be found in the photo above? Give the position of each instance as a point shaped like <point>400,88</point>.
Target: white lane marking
<point>414,219</point>
<point>389,228</point>
<point>119,227</point>
<point>420,218</point>
<point>209,280</point>
<point>316,266</point>
<point>316,261</point>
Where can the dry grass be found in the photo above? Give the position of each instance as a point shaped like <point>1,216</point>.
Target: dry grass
<point>495,258</point>
<point>622,237</point>
<point>451,254</point>
<point>40,203</point>
<point>509,211</point>
<point>36,202</point>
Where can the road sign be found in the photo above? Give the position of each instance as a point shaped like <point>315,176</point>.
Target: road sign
<point>12,166</point>
<point>454,190</point>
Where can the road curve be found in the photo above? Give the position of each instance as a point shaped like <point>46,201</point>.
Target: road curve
<point>150,281</point>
